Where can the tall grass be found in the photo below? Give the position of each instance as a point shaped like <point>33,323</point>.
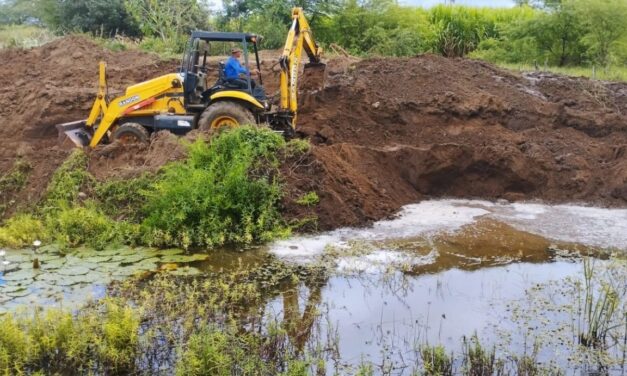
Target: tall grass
<point>613,73</point>
<point>24,36</point>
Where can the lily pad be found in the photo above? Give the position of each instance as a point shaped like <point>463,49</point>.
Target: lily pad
<point>73,270</point>
<point>184,258</point>
<point>19,293</point>
<point>131,259</point>
<point>5,289</point>
<point>98,259</point>
<point>20,275</point>
<point>53,264</point>
<point>170,252</point>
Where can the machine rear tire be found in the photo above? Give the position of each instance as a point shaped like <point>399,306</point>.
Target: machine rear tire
<point>221,115</point>
<point>131,133</point>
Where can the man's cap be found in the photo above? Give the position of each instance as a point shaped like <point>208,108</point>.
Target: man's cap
<point>235,49</point>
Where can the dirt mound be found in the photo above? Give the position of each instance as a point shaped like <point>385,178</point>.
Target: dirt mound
<point>385,132</point>
<point>52,84</point>
<point>393,131</point>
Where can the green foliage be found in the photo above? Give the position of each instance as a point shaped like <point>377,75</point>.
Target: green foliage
<point>23,36</point>
<point>12,182</point>
<point>167,23</point>
<point>57,342</point>
<point>297,147</point>
<point>122,199</point>
<point>89,225</point>
<point>21,230</point>
<point>225,193</point>
<point>478,360</point>
<point>309,199</point>
<point>67,181</point>
<point>435,361</point>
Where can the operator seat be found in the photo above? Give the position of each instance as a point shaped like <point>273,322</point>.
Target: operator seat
<point>222,81</point>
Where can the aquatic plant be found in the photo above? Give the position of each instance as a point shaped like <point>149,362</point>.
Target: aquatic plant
<point>479,361</point>
<point>435,361</point>
<point>600,305</point>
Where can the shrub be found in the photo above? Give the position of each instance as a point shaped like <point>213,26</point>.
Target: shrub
<point>89,225</point>
<point>308,199</point>
<point>21,230</point>
<point>67,181</point>
<point>227,192</point>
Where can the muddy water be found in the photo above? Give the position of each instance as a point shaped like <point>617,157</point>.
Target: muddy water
<point>439,272</point>
<point>443,271</point>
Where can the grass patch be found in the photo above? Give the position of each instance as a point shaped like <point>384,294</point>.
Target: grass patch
<point>12,182</point>
<point>614,73</point>
<point>24,36</point>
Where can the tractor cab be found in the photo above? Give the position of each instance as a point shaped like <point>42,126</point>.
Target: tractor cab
<point>199,61</point>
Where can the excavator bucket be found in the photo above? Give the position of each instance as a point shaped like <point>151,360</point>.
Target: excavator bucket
<point>75,131</point>
<point>313,76</point>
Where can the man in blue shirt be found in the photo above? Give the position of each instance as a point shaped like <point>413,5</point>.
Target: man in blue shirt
<point>233,69</point>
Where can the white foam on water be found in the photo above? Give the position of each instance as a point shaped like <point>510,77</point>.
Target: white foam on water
<point>591,226</point>
<point>381,261</point>
<point>424,218</point>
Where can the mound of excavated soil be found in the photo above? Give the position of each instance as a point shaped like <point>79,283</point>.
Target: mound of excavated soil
<point>385,132</point>
<point>53,84</point>
<point>393,131</point>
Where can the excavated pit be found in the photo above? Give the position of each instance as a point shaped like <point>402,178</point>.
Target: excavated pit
<point>385,132</point>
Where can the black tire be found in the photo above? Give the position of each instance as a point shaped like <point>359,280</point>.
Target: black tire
<point>221,115</point>
<point>131,133</point>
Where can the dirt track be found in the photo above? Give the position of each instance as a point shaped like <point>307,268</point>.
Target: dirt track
<point>386,132</point>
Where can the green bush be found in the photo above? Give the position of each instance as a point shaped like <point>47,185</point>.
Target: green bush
<point>89,225</point>
<point>308,199</point>
<point>58,342</point>
<point>227,192</point>
<point>21,230</point>
<point>67,181</point>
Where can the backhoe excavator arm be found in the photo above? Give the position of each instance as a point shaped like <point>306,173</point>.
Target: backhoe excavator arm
<point>299,37</point>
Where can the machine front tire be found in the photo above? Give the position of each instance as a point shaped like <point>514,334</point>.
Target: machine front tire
<point>131,133</point>
<point>223,115</point>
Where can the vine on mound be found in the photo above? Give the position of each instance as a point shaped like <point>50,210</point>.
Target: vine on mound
<point>225,192</point>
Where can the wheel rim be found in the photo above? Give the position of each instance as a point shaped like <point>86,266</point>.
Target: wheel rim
<point>224,121</point>
<point>128,138</point>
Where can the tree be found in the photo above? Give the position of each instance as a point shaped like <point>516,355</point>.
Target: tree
<point>557,32</point>
<point>169,19</point>
<point>606,26</point>
<point>101,17</point>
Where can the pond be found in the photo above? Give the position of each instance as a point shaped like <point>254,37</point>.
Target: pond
<point>516,278</point>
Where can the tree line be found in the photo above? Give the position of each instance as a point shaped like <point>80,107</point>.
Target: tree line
<point>555,32</point>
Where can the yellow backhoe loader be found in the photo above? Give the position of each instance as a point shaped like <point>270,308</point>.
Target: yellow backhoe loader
<point>180,102</point>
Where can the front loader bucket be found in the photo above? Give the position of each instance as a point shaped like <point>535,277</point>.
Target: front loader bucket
<point>313,76</point>
<point>76,131</point>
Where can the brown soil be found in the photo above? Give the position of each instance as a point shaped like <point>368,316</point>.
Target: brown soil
<point>385,132</point>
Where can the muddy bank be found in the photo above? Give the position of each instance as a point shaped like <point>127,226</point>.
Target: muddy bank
<point>393,131</point>
<point>385,132</point>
